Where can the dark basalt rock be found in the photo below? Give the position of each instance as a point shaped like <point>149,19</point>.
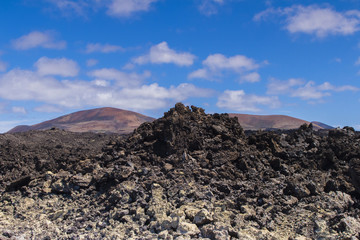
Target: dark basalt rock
<point>187,175</point>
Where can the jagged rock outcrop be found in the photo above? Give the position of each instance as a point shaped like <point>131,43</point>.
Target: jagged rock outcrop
<point>190,175</point>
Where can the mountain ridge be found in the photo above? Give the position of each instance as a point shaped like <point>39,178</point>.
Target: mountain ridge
<point>257,122</point>
<point>105,119</point>
<point>114,120</point>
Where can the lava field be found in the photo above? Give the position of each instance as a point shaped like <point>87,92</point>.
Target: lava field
<point>187,175</point>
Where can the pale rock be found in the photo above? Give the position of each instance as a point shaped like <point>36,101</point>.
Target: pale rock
<point>191,212</point>
<point>188,229</point>
<point>60,186</point>
<point>203,217</point>
<point>215,232</point>
<point>351,225</point>
<point>47,186</point>
<point>177,216</point>
<point>81,180</point>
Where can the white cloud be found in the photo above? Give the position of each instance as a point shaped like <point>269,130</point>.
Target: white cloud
<point>251,77</point>
<point>157,94</point>
<point>200,73</point>
<point>215,64</point>
<point>57,66</point>
<point>91,62</point>
<point>309,91</point>
<point>151,96</point>
<point>122,79</point>
<point>102,48</point>
<point>25,85</point>
<point>283,87</point>
<point>20,84</point>
<point>320,21</point>
<point>101,83</point>
<point>161,53</point>
<point>210,7</point>
<point>240,101</point>
<point>326,86</point>
<point>21,110</point>
<point>38,39</point>
<point>126,8</point>
<point>3,66</point>
<point>237,63</point>
<point>305,90</point>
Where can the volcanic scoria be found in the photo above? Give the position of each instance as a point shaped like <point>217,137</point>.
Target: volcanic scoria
<point>187,175</point>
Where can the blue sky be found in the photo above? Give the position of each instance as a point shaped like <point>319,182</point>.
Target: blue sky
<point>296,58</point>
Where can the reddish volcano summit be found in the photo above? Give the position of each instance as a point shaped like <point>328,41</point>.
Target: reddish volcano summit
<point>95,120</point>
<point>257,122</point>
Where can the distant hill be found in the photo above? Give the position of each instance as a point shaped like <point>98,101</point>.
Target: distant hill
<point>122,121</point>
<point>95,120</point>
<point>256,122</point>
<point>323,125</point>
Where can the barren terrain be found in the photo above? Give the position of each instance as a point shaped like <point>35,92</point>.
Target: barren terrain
<point>187,175</point>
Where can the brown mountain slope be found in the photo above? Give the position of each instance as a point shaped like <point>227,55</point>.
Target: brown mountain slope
<point>256,122</point>
<point>323,125</point>
<point>95,120</point>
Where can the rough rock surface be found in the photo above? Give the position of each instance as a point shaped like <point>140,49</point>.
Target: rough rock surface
<point>188,175</point>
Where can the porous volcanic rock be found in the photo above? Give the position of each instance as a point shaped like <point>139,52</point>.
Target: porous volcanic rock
<point>188,175</point>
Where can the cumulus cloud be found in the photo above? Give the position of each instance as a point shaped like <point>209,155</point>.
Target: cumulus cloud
<point>236,63</point>
<point>20,84</point>
<point>216,64</point>
<point>313,19</point>
<point>200,73</point>
<point>157,94</point>
<point>251,77</point>
<point>326,86</point>
<point>25,85</point>
<point>309,91</point>
<point>121,79</point>
<point>276,86</point>
<point>102,48</point>
<point>161,53</point>
<point>38,39</point>
<point>305,90</point>
<point>126,8</point>
<point>240,101</point>
<point>57,66</point>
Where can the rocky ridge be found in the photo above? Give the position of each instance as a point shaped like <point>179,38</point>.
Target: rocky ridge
<point>188,175</point>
